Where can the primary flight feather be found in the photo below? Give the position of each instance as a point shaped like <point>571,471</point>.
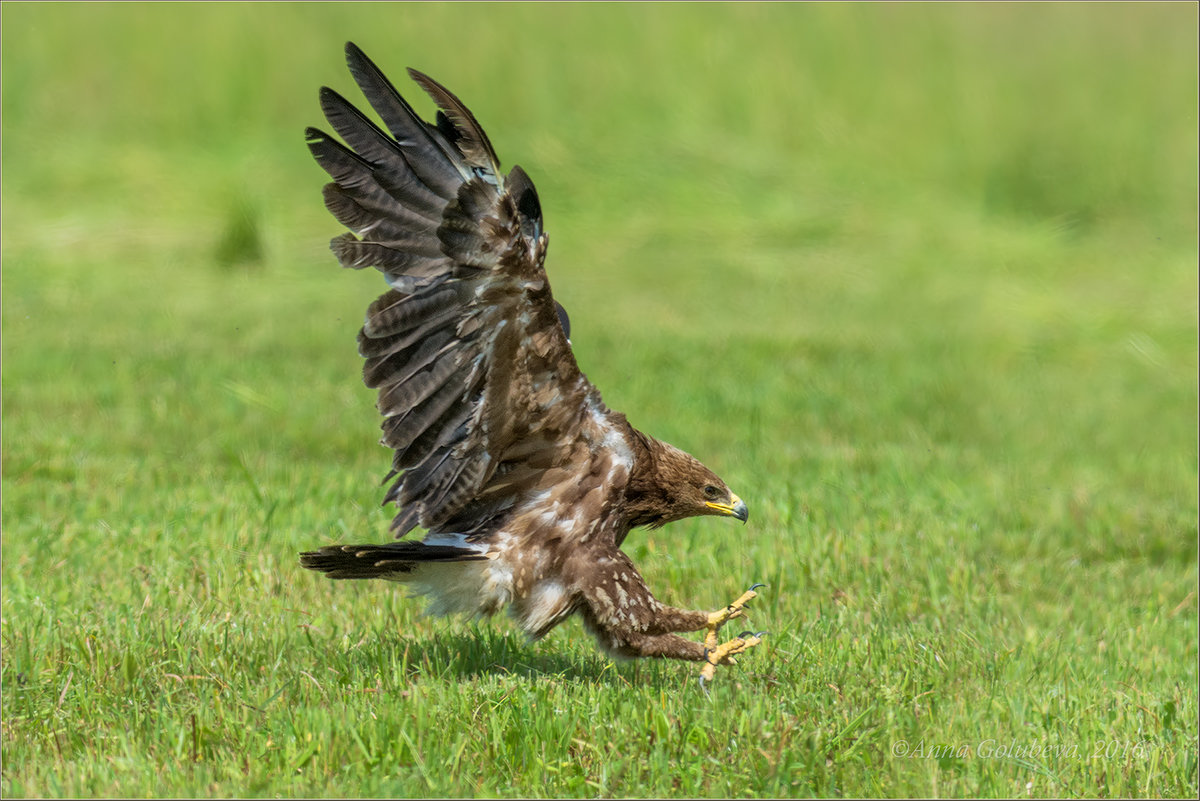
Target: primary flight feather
<point>524,481</point>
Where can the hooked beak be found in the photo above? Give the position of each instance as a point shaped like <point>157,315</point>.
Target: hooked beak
<point>735,508</point>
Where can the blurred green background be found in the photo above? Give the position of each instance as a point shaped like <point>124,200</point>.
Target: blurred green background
<point>920,281</point>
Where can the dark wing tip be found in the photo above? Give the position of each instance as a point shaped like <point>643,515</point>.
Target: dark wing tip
<point>423,79</point>
<point>354,53</point>
<point>521,187</point>
<point>563,319</point>
<point>473,142</point>
<point>361,64</point>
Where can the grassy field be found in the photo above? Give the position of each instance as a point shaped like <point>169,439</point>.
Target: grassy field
<point>920,282</point>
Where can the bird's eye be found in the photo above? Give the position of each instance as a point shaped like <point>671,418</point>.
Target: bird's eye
<point>711,492</point>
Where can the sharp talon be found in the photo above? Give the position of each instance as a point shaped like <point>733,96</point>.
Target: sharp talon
<point>704,687</point>
<point>717,653</point>
<point>761,634</point>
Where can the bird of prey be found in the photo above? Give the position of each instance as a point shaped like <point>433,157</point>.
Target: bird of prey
<point>524,481</point>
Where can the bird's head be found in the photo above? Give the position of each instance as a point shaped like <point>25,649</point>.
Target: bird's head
<point>676,485</point>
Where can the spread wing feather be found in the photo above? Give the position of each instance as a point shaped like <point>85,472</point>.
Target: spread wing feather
<point>468,136</point>
<point>429,153</point>
<point>469,337</point>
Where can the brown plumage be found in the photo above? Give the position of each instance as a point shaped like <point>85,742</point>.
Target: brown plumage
<point>525,482</point>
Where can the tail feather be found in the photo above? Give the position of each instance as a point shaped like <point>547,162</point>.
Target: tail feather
<point>382,561</point>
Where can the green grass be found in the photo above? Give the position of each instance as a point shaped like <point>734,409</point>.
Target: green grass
<point>919,281</point>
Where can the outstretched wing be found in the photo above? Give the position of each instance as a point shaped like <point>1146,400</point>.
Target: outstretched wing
<point>477,383</point>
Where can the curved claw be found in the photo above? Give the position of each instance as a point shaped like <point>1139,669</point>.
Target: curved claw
<point>718,654</point>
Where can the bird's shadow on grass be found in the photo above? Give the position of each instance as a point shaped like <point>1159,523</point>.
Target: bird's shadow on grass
<point>483,652</point>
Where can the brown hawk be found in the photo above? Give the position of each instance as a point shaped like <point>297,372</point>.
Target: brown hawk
<point>525,482</point>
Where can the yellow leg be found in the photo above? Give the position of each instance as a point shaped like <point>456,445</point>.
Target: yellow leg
<point>722,616</point>
<point>725,652</point>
